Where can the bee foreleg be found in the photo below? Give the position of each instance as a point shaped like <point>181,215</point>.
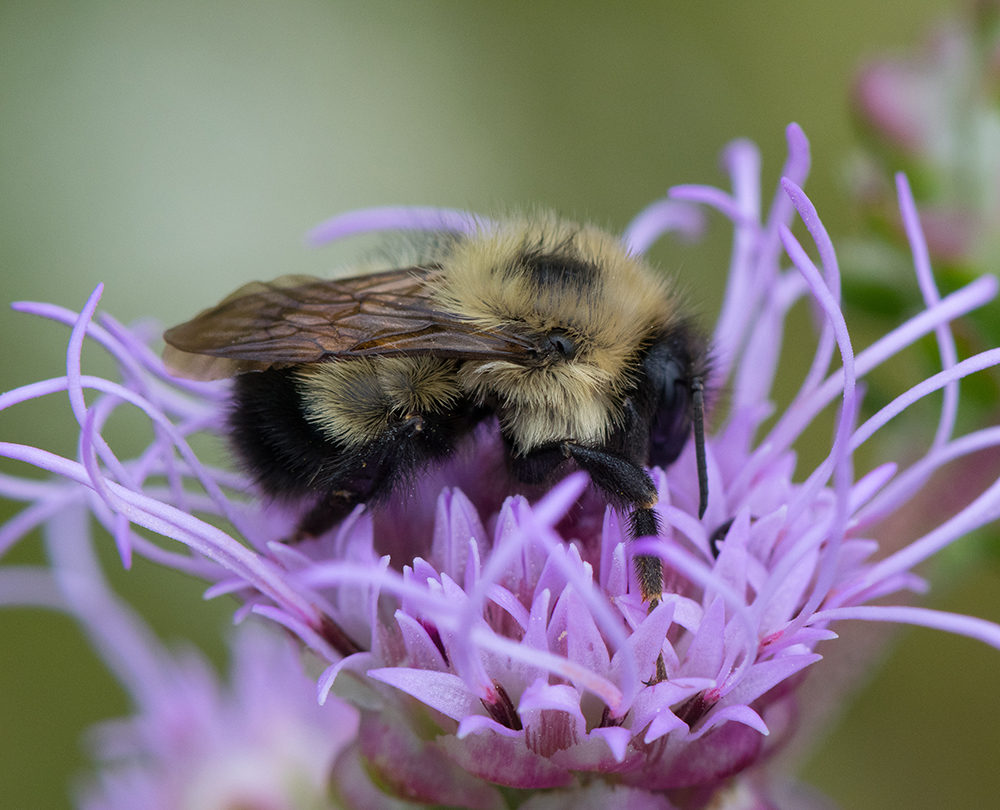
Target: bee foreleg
<point>624,481</point>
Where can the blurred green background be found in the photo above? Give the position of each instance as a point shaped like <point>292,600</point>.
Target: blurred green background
<point>175,150</point>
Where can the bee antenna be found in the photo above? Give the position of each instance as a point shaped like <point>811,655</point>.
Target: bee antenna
<point>698,417</point>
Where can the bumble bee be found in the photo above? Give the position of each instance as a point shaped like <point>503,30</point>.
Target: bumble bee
<point>345,388</point>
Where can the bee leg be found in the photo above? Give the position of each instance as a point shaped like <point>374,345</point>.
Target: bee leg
<point>327,513</point>
<point>359,477</point>
<point>661,672</point>
<point>538,466</point>
<point>369,474</point>
<point>627,485</point>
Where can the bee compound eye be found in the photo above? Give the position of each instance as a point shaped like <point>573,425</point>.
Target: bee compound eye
<point>673,380</point>
<point>560,343</point>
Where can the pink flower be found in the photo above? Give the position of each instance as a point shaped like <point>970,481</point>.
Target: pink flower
<point>489,642</point>
<point>933,112</point>
<point>262,741</point>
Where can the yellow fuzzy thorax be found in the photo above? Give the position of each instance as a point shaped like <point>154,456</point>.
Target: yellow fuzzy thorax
<point>609,315</point>
<point>543,405</point>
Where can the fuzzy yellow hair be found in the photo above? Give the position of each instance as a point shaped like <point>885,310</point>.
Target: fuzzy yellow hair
<point>610,311</point>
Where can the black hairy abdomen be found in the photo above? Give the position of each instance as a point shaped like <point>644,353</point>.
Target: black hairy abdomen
<point>284,453</point>
<point>290,457</point>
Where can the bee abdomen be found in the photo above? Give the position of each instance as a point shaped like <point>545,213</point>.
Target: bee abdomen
<point>293,454</point>
<point>282,451</point>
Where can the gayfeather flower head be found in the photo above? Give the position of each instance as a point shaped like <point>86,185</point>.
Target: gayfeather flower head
<point>489,642</point>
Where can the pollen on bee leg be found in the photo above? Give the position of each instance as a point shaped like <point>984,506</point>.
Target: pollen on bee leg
<point>649,572</point>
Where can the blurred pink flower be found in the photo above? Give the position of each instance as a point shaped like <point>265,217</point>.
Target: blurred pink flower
<point>259,742</point>
<point>934,114</point>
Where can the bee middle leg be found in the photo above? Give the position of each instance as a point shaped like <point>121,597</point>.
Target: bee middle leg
<point>628,484</point>
<point>625,483</point>
<point>370,473</point>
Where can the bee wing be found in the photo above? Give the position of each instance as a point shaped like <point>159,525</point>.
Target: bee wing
<point>299,319</point>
